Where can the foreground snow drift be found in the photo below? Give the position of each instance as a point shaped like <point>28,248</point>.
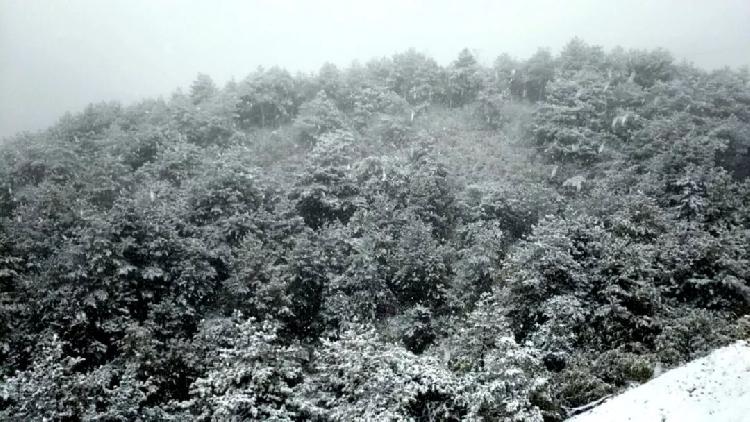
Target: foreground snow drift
<point>713,388</point>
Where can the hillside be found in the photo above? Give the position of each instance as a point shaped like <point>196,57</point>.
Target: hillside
<point>713,388</point>
<point>390,241</point>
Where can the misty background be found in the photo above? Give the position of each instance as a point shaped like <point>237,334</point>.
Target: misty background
<point>58,56</point>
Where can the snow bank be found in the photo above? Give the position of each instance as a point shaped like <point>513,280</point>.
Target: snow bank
<point>715,388</point>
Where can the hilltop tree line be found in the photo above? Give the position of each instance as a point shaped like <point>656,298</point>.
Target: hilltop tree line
<point>397,240</point>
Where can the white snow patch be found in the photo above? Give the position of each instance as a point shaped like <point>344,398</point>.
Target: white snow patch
<point>713,388</point>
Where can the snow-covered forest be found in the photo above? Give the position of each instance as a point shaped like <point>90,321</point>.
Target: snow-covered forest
<point>396,240</point>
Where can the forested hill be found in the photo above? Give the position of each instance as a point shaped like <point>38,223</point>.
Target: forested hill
<point>390,241</point>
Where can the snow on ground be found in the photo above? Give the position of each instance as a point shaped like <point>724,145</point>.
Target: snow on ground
<point>715,388</point>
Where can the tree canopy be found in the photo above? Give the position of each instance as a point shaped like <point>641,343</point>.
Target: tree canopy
<point>397,240</point>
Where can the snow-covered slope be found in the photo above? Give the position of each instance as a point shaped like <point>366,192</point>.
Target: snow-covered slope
<point>715,388</point>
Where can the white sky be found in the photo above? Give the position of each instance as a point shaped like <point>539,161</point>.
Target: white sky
<point>59,55</point>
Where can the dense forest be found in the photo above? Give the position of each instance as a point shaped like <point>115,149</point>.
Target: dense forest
<point>397,240</point>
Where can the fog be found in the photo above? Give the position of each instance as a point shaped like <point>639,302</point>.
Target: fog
<point>58,56</point>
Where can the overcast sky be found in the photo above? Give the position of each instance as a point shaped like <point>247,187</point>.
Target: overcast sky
<point>59,55</point>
